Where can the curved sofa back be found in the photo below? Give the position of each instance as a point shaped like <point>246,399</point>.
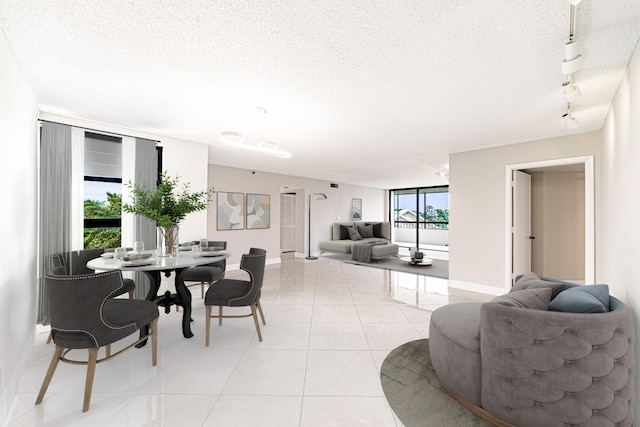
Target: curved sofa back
<point>553,368</point>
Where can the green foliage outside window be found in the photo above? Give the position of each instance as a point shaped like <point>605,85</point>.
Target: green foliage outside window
<point>107,237</point>
<point>431,214</point>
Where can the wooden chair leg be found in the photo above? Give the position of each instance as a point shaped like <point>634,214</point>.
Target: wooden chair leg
<point>91,371</point>
<point>107,350</point>
<point>49,338</point>
<point>202,290</point>
<point>131,294</point>
<point>261,313</point>
<point>57,354</point>
<point>255,320</point>
<point>207,322</point>
<point>154,342</point>
<point>220,314</point>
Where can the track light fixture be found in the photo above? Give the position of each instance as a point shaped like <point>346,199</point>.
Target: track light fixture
<point>571,63</point>
<point>572,59</point>
<point>569,120</point>
<point>570,92</point>
<point>442,170</point>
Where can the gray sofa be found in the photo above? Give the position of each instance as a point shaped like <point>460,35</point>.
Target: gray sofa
<point>548,353</point>
<point>342,242</point>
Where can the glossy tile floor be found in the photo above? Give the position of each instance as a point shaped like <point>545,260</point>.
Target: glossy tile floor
<point>329,327</point>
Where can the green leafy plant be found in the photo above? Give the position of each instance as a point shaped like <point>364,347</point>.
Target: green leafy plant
<point>167,204</point>
<point>104,237</point>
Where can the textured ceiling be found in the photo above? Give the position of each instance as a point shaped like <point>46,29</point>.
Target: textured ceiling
<point>365,92</point>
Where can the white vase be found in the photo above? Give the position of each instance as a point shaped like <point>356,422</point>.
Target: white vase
<point>168,240</point>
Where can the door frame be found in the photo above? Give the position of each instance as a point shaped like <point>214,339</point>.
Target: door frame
<point>589,214</point>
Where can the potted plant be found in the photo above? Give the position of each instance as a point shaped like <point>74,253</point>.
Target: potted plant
<point>167,205</point>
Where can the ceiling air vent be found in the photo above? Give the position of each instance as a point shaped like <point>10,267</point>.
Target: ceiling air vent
<point>334,185</point>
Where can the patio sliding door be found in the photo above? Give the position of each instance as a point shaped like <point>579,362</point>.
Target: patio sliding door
<point>420,217</point>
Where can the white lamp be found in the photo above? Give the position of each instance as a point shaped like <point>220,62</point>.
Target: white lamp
<point>315,196</point>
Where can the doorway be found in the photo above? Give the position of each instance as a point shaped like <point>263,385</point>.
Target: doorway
<point>516,237</point>
<point>288,224</point>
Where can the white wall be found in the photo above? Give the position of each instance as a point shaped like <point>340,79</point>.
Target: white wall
<point>18,174</point>
<point>618,210</point>
<point>477,203</point>
<point>336,207</point>
<point>188,160</point>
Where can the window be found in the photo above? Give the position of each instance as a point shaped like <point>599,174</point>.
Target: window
<point>102,191</point>
<point>102,212</point>
<point>418,216</point>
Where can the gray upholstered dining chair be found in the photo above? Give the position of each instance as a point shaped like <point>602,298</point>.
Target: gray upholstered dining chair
<point>208,273</point>
<point>238,293</point>
<point>75,263</point>
<point>85,316</point>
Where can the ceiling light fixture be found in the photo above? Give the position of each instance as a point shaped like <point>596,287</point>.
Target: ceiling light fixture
<point>570,92</point>
<point>569,120</point>
<point>260,113</point>
<point>232,138</point>
<point>442,170</point>
<point>571,63</point>
<point>236,139</point>
<point>570,66</point>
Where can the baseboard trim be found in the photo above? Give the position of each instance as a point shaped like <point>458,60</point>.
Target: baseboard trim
<point>269,261</point>
<point>476,287</point>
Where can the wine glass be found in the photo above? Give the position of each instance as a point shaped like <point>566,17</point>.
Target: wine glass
<point>118,254</point>
<point>138,246</point>
<point>204,244</point>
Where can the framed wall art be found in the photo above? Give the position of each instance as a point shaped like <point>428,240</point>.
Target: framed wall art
<point>230,211</point>
<point>258,211</point>
<point>356,209</point>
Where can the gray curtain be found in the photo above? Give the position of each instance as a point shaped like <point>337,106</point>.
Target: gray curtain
<point>55,203</point>
<point>145,175</point>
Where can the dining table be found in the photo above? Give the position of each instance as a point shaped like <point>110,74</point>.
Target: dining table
<point>153,267</point>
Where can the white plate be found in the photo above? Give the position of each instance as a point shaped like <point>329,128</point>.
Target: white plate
<point>138,262</point>
<point>107,255</point>
<point>213,253</point>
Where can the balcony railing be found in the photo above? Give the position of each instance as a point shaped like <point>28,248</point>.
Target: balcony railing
<point>422,225</point>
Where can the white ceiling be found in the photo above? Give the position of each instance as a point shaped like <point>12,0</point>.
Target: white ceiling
<point>367,92</point>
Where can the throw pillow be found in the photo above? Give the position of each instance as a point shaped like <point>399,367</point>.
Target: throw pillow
<point>344,232</point>
<point>354,235</point>
<point>366,231</point>
<point>532,281</point>
<point>536,299</point>
<point>582,299</point>
<point>377,229</point>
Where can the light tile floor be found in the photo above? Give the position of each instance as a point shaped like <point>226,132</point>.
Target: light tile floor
<point>329,327</point>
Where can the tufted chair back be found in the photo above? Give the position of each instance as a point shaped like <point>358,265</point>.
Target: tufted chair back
<point>543,368</point>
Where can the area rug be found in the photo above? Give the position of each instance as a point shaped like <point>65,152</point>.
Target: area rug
<point>439,268</point>
<point>414,393</point>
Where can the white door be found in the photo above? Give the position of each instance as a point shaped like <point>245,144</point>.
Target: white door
<point>521,227</point>
<point>288,222</point>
